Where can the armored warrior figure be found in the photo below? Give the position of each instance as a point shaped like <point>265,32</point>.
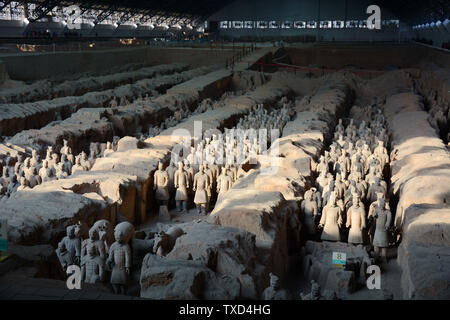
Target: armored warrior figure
<point>92,266</point>
<point>310,209</point>
<point>201,184</point>
<point>161,183</point>
<point>314,294</point>
<point>23,184</point>
<point>331,220</point>
<point>171,173</point>
<point>60,173</point>
<point>109,149</point>
<point>34,178</point>
<point>73,246</point>
<point>45,172</point>
<point>224,182</point>
<point>382,216</point>
<point>356,220</point>
<point>65,149</point>
<point>273,292</point>
<point>119,260</point>
<point>181,182</point>
<point>12,186</point>
<point>77,166</point>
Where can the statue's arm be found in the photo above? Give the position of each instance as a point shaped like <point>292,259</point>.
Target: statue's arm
<point>349,218</point>
<point>363,220</point>
<point>323,218</point>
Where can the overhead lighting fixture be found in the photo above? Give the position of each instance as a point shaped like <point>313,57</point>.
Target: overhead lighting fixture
<point>446,24</point>
<point>25,21</point>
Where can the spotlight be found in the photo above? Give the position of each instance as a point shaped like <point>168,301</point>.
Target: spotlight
<point>25,21</point>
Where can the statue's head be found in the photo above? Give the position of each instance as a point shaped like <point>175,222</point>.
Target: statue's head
<point>160,165</point>
<point>356,199</point>
<point>315,289</point>
<point>274,281</point>
<point>333,198</point>
<point>93,234</point>
<point>381,200</point>
<point>180,165</point>
<point>119,236</point>
<point>70,231</point>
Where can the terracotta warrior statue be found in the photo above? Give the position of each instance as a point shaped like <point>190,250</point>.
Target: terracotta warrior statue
<point>77,166</point>
<point>201,184</point>
<point>274,292</point>
<point>94,239</point>
<point>356,220</point>
<point>119,261</point>
<point>310,209</point>
<point>45,172</point>
<point>331,220</point>
<point>70,243</point>
<point>181,183</point>
<point>314,294</point>
<point>65,149</point>
<point>224,182</point>
<point>161,183</point>
<point>92,266</point>
<point>109,149</point>
<point>382,216</point>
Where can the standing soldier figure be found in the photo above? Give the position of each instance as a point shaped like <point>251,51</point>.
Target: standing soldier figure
<point>201,184</point>
<point>181,182</point>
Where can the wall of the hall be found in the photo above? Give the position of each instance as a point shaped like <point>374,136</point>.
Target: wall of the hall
<point>302,10</point>
<point>35,66</point>
<point>439,37</point>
